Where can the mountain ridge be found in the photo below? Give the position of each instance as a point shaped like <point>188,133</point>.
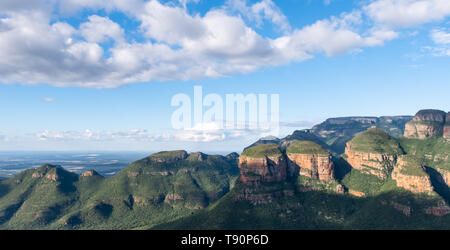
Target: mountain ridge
<point>301,181</point>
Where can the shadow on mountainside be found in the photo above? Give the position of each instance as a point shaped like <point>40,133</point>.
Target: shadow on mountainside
<point>4,189</point>
<point>312,210</point>
<point>9,212</point>
<point>341,168</point>
<point>439,184</point>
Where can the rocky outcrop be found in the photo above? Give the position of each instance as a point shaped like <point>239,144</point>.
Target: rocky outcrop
<point>440,210</point>
<point>356,193</point>
<point>369,163</point>
<point>340,189</point>
<point>447,127</point>
<point>169,156</point>
<point>89,173</point>
<point>425,124</point>
<point>262,169</point>
<point>259,164</point>
<point>405,209</point>
<point>198,156</point>
<point>173,197</point>
<point>314,166</point>
<point>263,195</point>
<point>52,177</point>
<point>416,181</point>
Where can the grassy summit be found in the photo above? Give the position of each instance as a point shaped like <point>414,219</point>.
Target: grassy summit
<point>413,166</point>
<point>169,155</point>
<point>263,150</point>
<point>375,140</point>
<point>306,147</point>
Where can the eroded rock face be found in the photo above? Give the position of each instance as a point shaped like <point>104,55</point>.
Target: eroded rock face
<point>426,123</point>
<point>89,173</point>
<point>356,193</point>
<point>52,177</point>
<point>262,169</point>
<point>440,210</point>
<point>369,163</point>
<point>313,165</point>
<point>447,126</point>
<point>415,184</point>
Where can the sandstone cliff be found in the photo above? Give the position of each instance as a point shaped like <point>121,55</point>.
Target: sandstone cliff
<point>370,163</point>
<point>426,123</point>
<point>410,175</point>
<point>447,126</point>
<point>311,160</point>
<point>263,163</point>
<point>262,169</point>
<point>373,152</point>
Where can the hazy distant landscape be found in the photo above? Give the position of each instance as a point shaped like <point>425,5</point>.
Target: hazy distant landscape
<point>105,163</point>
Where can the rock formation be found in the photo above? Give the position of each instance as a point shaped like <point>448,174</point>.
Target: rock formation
<point>311,159</point>
<point>373,152</point>
<point>89,173</point>
<point>409,175</point>
<point>447,126</point>
<point>369,163</point>
<point>425,124</point>
<point>262,163</point>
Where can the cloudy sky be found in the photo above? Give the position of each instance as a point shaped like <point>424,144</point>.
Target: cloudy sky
<point>100,75</point>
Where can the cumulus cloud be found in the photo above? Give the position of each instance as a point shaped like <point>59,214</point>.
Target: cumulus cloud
<point>99,29</point>
<point>36,48</point>
<point>265,10</point>
<point>407,13</point>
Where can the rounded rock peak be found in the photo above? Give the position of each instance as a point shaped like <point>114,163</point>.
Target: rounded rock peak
<point>432,115</point>
<point>375,140</point>
<point>263,150</point>
<point>306,147</point>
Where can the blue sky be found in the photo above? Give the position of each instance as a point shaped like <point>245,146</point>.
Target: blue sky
<point>100,75</point>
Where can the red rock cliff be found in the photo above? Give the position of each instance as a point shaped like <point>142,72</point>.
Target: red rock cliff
<point>447,126</point>
<point>313,165</point>
<point>369,163</point>
<point>262,169</point>
<point>414,183</point>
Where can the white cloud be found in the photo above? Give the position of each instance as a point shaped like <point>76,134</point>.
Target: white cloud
<point>441,40</point>
<point>261,11</point>
<point>181,46</point>
<point>407,13</point>
<point>440,36</point>
<point>99,29</point>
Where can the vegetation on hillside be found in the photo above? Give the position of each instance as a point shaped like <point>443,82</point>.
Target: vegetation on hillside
<point>306,147</point>
<point>376,141</point>
<point>263,150</point>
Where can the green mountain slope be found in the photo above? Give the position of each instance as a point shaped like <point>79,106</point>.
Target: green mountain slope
<point>161,187</point>
<point>316,210</point>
